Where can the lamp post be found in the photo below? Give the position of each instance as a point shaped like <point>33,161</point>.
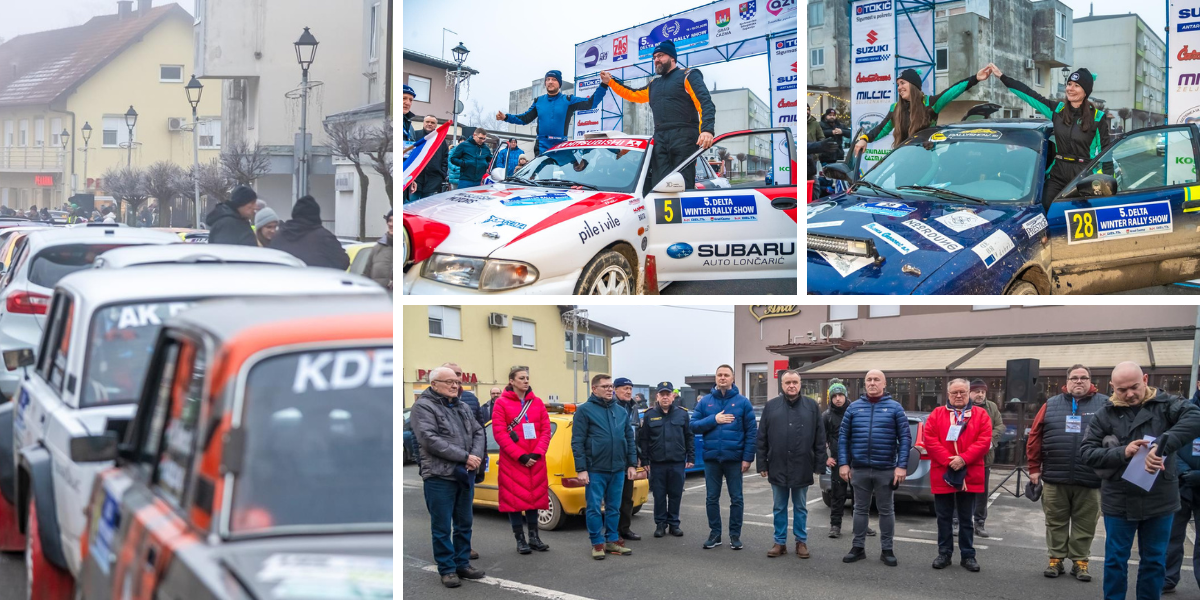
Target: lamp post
<point>306,52</point>
<point>64,137</point>
<point>87,135</point>
<point>194,90</point>
<point>130,120</point>
<point>460,53</point>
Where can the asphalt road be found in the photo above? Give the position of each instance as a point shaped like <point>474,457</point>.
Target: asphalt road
<point>775,287</point>
<point>1012,560</point>
<point>12,573</point>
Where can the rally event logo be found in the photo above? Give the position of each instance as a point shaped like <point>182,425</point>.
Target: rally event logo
<point>620,48</point>
<point>593,56</point>
<point>684,32</point>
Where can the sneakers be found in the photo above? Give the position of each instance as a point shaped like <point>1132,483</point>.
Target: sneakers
<point>1055,568</point>
<point>676,531</point>
<point>889,558</point>
<point>970,564</point>
<point>450,580</point>
<point>941,562</point>
<point>598,551</point>
<point>980,531</point>
<point>618,548</point>
<point>1080,571</point>
<point>735,542</point>
<point>855,554</point>
<point>469,572</point>
<point>776,550</point>
<point>835,531</point>
<point>660,530</point>
<point>713,541</point>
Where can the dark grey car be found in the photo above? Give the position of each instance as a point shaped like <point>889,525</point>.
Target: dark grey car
<point>915,487</point>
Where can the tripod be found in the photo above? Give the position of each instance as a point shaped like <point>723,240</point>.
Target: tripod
<point>1021,462</point>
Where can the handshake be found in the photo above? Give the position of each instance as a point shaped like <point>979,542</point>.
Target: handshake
<point>988,71</point>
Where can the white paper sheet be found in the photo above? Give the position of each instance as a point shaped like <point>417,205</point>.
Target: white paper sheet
<point>1136,472</point>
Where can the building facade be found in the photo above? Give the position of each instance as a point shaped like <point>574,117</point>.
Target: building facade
<point>737,110</point>
<point>434,91</point>
<point>1131,61</point>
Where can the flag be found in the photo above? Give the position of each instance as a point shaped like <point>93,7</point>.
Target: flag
<point>416,154</point>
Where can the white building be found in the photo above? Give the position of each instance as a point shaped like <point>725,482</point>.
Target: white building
<point>1130,61</point>
<point>739,109</point>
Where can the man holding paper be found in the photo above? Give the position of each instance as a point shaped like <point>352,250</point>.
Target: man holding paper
<point>1140,493</point>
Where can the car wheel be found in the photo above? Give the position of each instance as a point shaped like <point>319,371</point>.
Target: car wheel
<point>608,274</point>
<point>1022,288</point>
<point>827,498</point>
<point>43,580</point>
<point>553,517</point>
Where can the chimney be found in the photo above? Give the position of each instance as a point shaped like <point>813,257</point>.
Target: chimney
<point>124,9</point>
<point>144,7</point>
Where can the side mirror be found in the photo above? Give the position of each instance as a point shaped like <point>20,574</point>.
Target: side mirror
<point>838,171</point>
<point>498,174</point>
<point>670,184</point>
<point>94,448</point>
<point>21,357</point>
<point>1096,185</point>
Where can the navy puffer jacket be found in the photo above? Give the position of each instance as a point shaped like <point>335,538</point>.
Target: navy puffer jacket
<point>731,441</point>
<point>874,435</point>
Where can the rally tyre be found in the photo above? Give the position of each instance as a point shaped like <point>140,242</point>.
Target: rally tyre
<point>553,517</point>
<point>608,274</point>
<point>44,581</point>
<point>1022,288</point>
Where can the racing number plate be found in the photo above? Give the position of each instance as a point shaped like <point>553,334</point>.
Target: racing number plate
<point>1082,226</point>
<point>1117,222</point>
<point>666,210</point>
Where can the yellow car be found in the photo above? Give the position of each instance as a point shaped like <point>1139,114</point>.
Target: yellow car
<point>358,258</point>
<point>567,495</point>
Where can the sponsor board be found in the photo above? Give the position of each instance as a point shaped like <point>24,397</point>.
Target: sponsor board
<point>942,240</point>
<point>961,220</point>
<point>893,239</point>
<point>887,209</point>
<point>845,265</point>
<point>1034,226</point>
<point>591,230</point>
<point>873,42</point>
<point>993,248</point>
<point>1183,50</point>
<point>1118,222</point>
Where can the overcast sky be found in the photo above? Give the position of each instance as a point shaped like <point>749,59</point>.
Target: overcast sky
<point>1153,13</point>
<point>668,342</point>
<point>513,43</point>
<point>20,16</point>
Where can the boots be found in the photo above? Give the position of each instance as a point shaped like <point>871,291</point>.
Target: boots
<point>522,546</point>
<point>534,541</point>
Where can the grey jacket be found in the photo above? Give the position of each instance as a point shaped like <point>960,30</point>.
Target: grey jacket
<point>447,434</point>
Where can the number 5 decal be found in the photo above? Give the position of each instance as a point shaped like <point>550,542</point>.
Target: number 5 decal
<point>665,212</point>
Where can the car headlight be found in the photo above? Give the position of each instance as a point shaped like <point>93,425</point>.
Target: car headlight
<point>478,273</point>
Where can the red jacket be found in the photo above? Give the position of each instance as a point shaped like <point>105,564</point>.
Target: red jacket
<point>972,445</point>
<point>521,488</point>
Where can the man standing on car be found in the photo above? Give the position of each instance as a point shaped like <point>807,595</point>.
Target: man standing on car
<point>682,110</point>
<point>623,390</point>
<point>472,157</point>
<point>430,181</point>
<point>666,442</point>
<point>605,454</point>
<point>873,447</point>
<point>791,447</point>
<point>726,419</point>
<point>979,398</point>
<point>553,111</point>
<point>957,438</point>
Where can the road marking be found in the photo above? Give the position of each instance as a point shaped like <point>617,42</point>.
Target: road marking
<point>990,539</point>
<point>933,542</point>
<point>1142,180</point>
<point>815,500</point>
<point>516,586</point>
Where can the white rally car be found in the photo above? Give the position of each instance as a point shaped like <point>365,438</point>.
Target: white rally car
<point>575,221</point>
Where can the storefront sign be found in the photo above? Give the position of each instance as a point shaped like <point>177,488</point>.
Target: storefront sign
<point>43,180</point>
<point>423,375</point>
<point>763,311</point>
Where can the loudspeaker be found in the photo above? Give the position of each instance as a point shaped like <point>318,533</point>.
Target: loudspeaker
<point>1021,379</point>
<point>85,201</point>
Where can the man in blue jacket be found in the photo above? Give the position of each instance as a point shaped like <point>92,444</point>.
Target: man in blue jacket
<point>605,455</point>
<point>553,111</point>
<point>508,157</point>
<point>726,420</point>
<point>472,157</point>
<point>1187,465</point>
<point>873,447</point>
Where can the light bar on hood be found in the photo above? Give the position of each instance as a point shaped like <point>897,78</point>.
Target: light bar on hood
<point>842,245</point>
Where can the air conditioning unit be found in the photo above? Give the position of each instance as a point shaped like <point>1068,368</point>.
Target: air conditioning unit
<point>175,123</point>
<point>497,320</point>
<point>1029,64</point>
<point>798,339</point>
<point>832,331</point>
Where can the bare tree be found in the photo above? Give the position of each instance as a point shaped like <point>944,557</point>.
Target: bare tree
<point>477,116</point>
<point>244,163</point>
<point>215,182</point>
<point>127,184</point>
<point>350,141</point>
<point>381,157</point>
<point>163,184</point>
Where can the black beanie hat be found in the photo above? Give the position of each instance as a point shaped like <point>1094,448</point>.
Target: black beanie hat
<point>1084,78</point>
<point>306,210</point>
<point>241,196</point>
<point>912,77</point>
<point>667,47</point>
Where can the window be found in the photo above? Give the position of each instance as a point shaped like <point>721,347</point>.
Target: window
<point>56,340</point>
<point>942,59</point>
<point>816,14</point>
<point>989,306</point>
<point>1131,160</point>
<point>180,435</point>
<point>209,130</point>
<point>23,137</point>
<point>816,57</point>
<point>593,344</point>
<point>170,73</point>
<point>1060,25</point>
<point>148,442</point>
<point>9,133</point>
<point>1037,77</point>
<point>757,384</point>
<point>56,132</point>
<point>445,321</point>
<point>420,85</point>
<point>374,30</point>
<point>116,134</point>
<point>524,334</point>
<point>884,310</point>
<point>842,312</point>
<point>39,131</point>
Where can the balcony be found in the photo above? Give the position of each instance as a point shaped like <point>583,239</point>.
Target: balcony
<point>34,159</point>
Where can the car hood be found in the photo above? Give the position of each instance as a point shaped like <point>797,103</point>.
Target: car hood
<point>483,219</point>
<point>936,233</point>
<point>318,566</point>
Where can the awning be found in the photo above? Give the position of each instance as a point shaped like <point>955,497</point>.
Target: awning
<point>896,360</point>
<point>1095,356</point>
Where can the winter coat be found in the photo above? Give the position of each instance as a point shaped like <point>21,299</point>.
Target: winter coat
<point>731,441</point>
<point>993,412</point>
<point>508,160</point>
<point>553,114</point>
<point>521,488</point>
<point>1173,421</point>
<point>874,435</point>
<point>1187,463</point>
<point>972,445</point>
<point>815,133</point>
<point>827,128</point>
<point>666,437</point>
<point>226,226</point>
<point>791,441</point>
<point>410,134</point>
<point>447,433</point>
<point>832,420</point>
<point>470,399</point>
<point>379,262</point>
<point>311,243</point>
<point>1053,452</point>
<point>472,160</point>
<point>430,181</point>
<point>601,437</point>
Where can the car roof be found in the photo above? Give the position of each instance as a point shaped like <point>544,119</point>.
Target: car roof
<point>54,236</point>
<point>193,253</point>
<point>281,321</point>
<point>1000,124</point>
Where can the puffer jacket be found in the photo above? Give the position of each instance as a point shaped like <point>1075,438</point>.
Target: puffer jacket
<point>874,434</point>
<point>226,226</point>
<point>472,160</point>
<point>601,437</point>
<point>521,488</point>
<point>731,441</point>
<point>447,433</point>
<point>1173,421</point>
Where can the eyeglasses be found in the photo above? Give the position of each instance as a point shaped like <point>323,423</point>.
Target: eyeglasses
<point>448,382</point>
<point>1079,379</point>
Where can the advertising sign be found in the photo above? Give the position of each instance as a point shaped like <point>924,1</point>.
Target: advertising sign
<point>873,71</point>
<point>1183,61</point>
<point>784,98</point>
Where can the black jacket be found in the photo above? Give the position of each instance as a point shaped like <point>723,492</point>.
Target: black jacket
<point>1172,420</point>
<point>1061,462</point>
<point>791,441</point>
<point>828,127</point>
<point>311,243</point>
<point>673,99</point>
<point>472,160</point>
<point>832,420</point>
<point>226,226</point>
<point>435,173</point>
<point>666,437</point>
<point>410,134</point>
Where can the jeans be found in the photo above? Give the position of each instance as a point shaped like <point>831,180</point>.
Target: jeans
<point>1188,510</point>
<point>1071,514</point>
<point>946,505</point>
<point>450,519</point>
<point>877,483</point>
<point>604,488</point>
<point>799,496</point>
<point>1152,536</point>
<point>839,490</point>
<point>666,483</point>
<point>731,470</point>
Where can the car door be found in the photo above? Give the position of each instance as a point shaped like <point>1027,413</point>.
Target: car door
<point>1140,235</point>
<point>745,231</point>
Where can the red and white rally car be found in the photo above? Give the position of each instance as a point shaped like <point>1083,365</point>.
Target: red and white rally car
<point>575,220</point>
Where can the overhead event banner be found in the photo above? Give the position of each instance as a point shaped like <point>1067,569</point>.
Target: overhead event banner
<point>784,91</point>
<point>873,70</point>
<point>914,38</point>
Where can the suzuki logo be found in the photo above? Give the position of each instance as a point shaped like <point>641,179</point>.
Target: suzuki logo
<point>793,67</point>
<point>872,37</point>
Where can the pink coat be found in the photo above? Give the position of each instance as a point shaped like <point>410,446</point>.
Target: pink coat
<point>521,488</point>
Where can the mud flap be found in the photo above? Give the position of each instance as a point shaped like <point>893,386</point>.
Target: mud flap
<point>36,462</point>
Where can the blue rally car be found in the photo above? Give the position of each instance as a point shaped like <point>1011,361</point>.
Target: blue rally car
<point>958,209</point>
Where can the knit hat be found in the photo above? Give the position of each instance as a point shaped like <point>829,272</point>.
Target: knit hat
<point>241,196</point>
<point>408,90</point>
<point>978,384</point>
<point>666,47</point>
<point>622,382</point>
<point>837,388</point>
<point>911,76</point>
<point>555,74</point>
<point>307,210</point>
<point>1084,78</point>
<point>265,217</point>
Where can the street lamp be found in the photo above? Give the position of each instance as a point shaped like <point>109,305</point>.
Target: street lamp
<point>87,135</point>
<point>130,120</point>
<point>306,52</point>
<point>460,53</point>
<point>64,137</point>
<point>194,90</point>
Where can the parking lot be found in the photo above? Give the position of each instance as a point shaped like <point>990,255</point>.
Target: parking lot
<point>671,567</point>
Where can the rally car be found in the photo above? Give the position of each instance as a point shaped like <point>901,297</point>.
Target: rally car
<point>959,209</point>
<point>575,220</point>
<point>259,463</point>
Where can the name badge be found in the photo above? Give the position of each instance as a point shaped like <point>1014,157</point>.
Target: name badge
<point>1196,447</point>
<point>1074,424</point>
<point>952,435</point>
<point>527,430</point>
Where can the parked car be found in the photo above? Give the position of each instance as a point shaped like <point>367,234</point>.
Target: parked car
<point>214,254</point>
<point>915,487</point>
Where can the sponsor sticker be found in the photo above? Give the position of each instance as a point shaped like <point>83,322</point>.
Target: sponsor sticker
<point>746,255</point>
<point>1034,226</point>
<point>993,248</point>
<point>970,134</point>
<point>961,220</point>
<point>464,198</point>
<point>591,230</point>
<point>502,222</point>
<point>537,199</point>
<point>845,265</point>
<point>887,209</point>
<point>717,209</point>
<point>893,239</point>
<point>679,250</point>
<point>616,143</point>
<point>1118,222</point>
<point>816,209</point>
<point>941,240</point>
<point>825,224</point>
<point>107,518</point>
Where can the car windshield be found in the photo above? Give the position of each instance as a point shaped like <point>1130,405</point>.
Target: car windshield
<point>609,169</point>
<point>319,427</point>
<point>991,171</point>
<point>121,341</point>
<point>56,262</point>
